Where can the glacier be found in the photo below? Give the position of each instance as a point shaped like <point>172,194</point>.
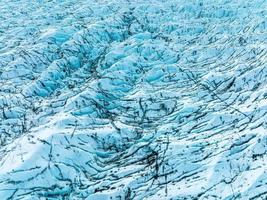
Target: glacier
<point>137,99</point>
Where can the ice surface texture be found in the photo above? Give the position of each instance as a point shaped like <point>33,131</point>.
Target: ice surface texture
<point>133,99</point>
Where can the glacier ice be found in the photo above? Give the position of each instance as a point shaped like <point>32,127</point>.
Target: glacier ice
<point>133,99</point>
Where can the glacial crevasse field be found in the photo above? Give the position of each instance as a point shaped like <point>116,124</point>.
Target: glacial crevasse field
<point>133,100</point>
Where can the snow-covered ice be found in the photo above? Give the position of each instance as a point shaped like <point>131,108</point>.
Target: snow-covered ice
<point>139,99</point>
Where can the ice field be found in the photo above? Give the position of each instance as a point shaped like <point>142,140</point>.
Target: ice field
<point>133,100</point>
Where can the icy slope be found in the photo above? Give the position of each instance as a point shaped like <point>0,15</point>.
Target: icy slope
<point>133,99</point>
